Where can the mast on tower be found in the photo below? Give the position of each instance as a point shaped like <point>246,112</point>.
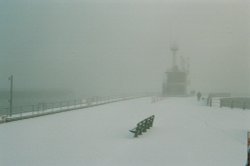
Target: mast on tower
<point>174,48</point>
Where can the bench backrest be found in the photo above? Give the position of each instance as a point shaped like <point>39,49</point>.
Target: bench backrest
<point>146,122</point>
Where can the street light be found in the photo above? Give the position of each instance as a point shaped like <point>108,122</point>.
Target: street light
<point>11,94</point>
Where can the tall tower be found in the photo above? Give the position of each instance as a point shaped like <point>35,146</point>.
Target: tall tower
<point>176,78</point>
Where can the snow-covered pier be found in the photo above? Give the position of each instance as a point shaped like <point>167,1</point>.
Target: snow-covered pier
<point>185,132</point>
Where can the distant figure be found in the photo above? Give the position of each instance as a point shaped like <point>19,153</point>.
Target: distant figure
<point>248,157</point>
<point>199,96</point>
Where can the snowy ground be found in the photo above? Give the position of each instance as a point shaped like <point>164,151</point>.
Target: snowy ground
<point>185,133</point>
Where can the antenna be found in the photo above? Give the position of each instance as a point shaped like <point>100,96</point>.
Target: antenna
<point>174,48</point>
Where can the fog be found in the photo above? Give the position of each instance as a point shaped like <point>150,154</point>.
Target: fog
<point>114,47</point>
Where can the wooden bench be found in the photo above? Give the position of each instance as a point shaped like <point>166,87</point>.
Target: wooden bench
<point>142,126</point>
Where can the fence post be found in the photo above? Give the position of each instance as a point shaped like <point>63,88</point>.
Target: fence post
<point>21,111</point>
<point>38,109</point>
<point>51,107</point>
<point>244,106</point>
<point>75,103</point>
<point>68,104</point>
<point>43,107</point>
<point>32,109</point>
<point>61,105</point>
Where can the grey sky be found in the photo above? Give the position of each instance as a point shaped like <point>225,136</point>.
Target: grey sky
<point>123,46</point>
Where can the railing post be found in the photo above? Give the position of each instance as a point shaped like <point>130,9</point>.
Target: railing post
<point>61,105</point>
<point>43,107</point>
<point>68,104</point>
<point>32,107</point>
<point>38,109</point>
<point>232,104</point>
<point>21,111</point>
<point>51,107</point>
<point>244,105</point>
<point>75,103</point>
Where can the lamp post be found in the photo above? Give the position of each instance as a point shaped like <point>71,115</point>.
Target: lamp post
<point>11,94</point>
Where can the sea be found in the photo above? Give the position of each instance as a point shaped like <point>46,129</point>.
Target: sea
<point>23,100</point>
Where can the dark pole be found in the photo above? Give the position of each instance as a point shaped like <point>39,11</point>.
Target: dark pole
<point>11,93</point>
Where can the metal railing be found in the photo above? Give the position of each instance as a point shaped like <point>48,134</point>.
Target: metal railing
<point>41,109</point>
<point>235,102</point>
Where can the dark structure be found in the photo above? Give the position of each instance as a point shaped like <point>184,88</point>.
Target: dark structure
<point>176,78</point>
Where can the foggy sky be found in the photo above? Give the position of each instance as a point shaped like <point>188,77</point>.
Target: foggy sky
<point>108,47</point>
